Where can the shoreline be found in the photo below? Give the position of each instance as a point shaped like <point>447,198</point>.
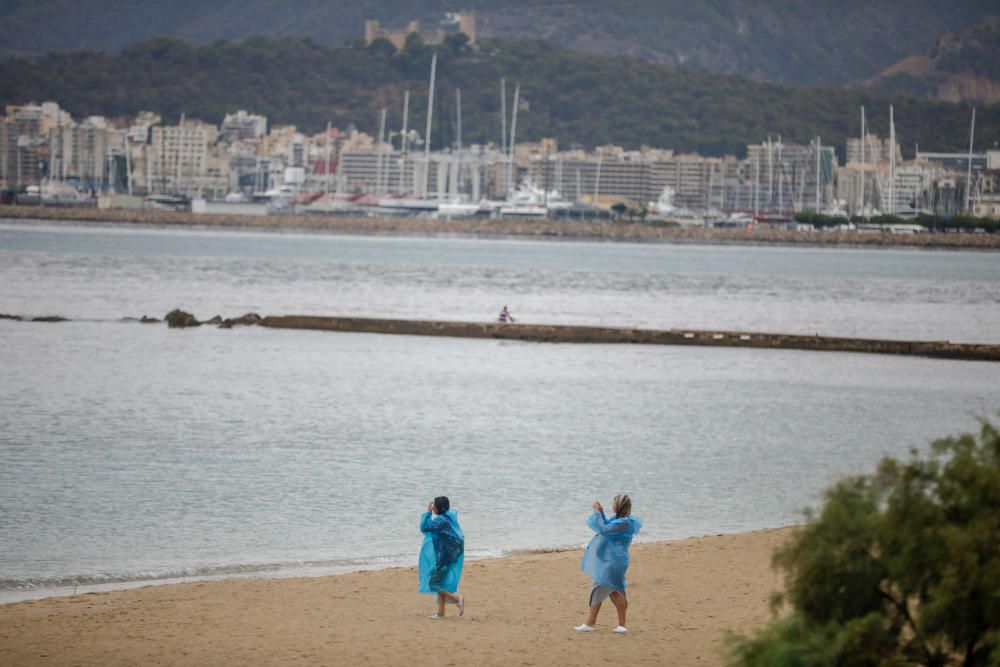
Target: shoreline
<point>685,596</point>
<point>508,228</point>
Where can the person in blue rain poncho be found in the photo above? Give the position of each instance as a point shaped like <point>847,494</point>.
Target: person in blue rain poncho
<point>442,555</point>
<point>606,559</point>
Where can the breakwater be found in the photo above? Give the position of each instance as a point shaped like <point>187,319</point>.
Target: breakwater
<point>549,229</point>
<point>561,333</point>
<point>573,333</point>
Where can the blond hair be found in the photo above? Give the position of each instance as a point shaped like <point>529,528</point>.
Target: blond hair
<point>622,505</point>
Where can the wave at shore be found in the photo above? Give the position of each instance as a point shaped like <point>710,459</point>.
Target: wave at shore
<point>15,590</point>
<point>684,596</point>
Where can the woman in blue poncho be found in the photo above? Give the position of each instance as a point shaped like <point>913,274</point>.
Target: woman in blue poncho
<point>442,555</point>
<point>606,559</point>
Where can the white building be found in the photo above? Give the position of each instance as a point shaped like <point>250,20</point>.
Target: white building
<point>183,159</point>
<point>243,126</point>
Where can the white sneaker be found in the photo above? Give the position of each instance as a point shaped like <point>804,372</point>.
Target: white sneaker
<point>435,617</point>
<point>621,629</point>
<point>585,628</point>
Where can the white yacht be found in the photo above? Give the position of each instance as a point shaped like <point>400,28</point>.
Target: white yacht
<point>531,201</point>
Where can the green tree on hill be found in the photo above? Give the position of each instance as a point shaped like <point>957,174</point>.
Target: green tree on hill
<point>899,568</point>
<point>577,98</point>
<point>383,47</point>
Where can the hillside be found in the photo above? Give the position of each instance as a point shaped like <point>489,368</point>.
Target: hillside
<point>963,65</point>
<point>575,97</point>
<point>798,41</point>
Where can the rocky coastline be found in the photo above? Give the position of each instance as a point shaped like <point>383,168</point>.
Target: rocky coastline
<point>549,229</point>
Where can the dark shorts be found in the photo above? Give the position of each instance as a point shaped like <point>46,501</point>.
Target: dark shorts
<point>600,593</point>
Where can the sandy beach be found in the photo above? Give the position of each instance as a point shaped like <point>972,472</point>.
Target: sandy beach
<point>684,595</point>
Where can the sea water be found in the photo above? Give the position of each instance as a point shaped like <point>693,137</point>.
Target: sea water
<point>134,453</point>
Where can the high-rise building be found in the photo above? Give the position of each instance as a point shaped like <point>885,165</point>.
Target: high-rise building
<point>181,160</point>
<point>242,126</point>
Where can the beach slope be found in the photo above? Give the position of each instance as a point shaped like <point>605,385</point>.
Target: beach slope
<point>520,610</point>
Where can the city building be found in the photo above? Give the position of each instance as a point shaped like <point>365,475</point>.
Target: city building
<point>41,144</point>
<point>182,160</point>
<point>242,126</point>
<point>84,153</point>
<point>875,149</point>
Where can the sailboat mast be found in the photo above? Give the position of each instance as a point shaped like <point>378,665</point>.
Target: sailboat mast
<point>427,133</point>
<point>862,160</point>
<point>892,163</point>
<point>770,174</point>
<point>329,151</point>
<point>756,185</point>
<point>597,179</point>
<point>404,143</point>
<point>968,176</point>
<point>818,148</point>
<point>177,167</point>
<point>513,133</point>
<point>503,121</point>
<point>380,153</point>
<point>458,156</point>
<point>781,180</point>
<point>128,163</point>
<point>458,105</point>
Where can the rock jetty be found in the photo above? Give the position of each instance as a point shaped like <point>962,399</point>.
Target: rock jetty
<point>550,333</point>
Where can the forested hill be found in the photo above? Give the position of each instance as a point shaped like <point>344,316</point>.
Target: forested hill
<point>799,41</point>
<point>577,98</point>
<point>963,64</point>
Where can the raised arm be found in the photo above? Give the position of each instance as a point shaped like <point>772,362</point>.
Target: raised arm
<point>600,524</point>
<point>428,524</point>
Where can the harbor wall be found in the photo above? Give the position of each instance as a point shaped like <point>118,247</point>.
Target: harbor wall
<point>569,229</point>
<point>552,333</point>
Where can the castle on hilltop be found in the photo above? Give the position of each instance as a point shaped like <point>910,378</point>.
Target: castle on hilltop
<point>454,22</point>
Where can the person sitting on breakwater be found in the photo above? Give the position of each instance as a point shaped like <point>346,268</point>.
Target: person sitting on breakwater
<point>442,555</point>
<point>606,559</point>
<point>505,315</point>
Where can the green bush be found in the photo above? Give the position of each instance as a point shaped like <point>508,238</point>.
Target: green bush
<point>901,567</point>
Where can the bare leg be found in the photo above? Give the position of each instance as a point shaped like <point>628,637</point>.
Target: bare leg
<point>441,595</point>
<point>449,597</point>
<point>592,614</point>
<point>621,604</point>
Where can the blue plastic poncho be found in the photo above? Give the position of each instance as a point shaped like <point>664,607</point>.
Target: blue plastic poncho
<point>443,552</point>
<point>606,558</point>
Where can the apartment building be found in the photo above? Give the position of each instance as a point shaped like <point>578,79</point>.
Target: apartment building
<point>612,175</point>
<point>875,150</point>
<point>184,159</point>
<point>23,142</point>
<point>243,126</point>
<point>85,152</point>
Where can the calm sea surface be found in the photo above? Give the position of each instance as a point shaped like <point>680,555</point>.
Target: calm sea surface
<point>134,453</point>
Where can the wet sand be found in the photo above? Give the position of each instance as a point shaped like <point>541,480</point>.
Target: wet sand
<point>685,596</point>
